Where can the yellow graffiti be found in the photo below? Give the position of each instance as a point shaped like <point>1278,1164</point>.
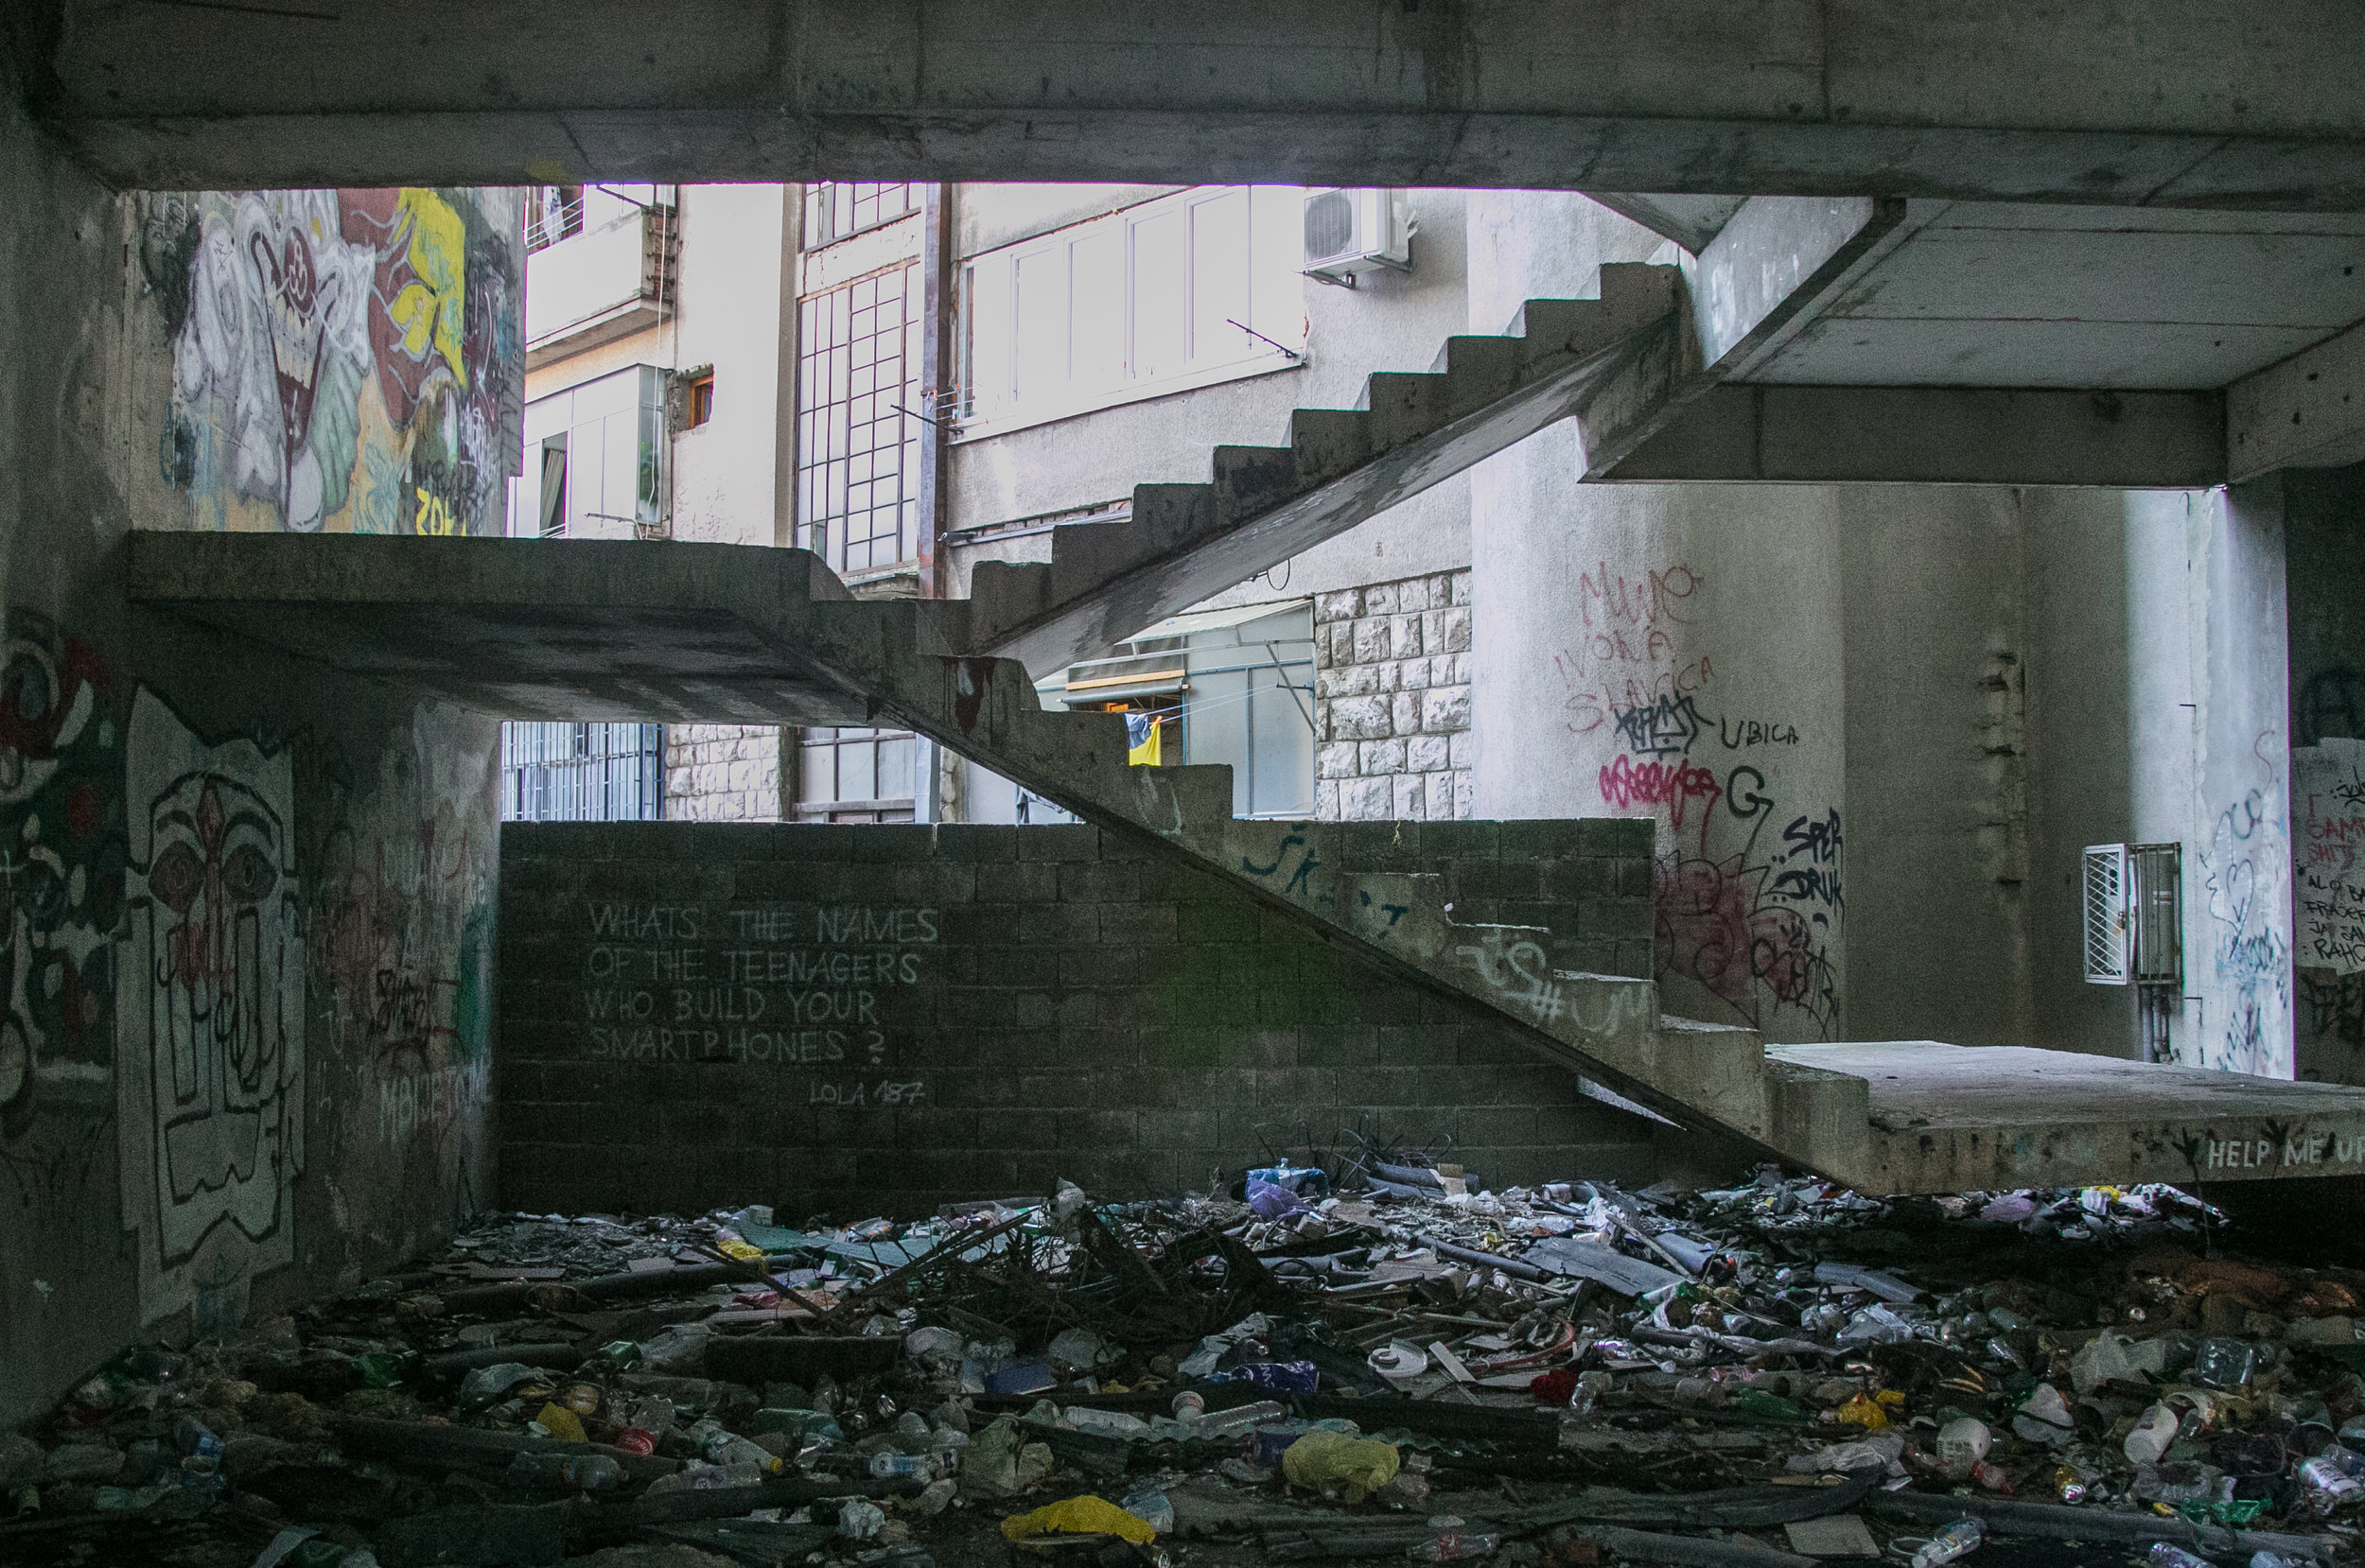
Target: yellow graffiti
<point>436,514</point>
<point>432,306</point>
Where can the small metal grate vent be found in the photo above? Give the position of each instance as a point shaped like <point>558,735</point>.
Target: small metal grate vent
<point>2105,923</point>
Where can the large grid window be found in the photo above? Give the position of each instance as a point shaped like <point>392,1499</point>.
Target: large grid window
<point>839,208</point>
<point>857,443</point>
<point>856,775</point>
<point>583,773</point>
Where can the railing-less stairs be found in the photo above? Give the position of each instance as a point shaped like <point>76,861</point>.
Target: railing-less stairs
<point>726,633</point>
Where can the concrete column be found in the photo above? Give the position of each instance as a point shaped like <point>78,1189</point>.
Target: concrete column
<point>1664,651</point>
<point>2245,848</point>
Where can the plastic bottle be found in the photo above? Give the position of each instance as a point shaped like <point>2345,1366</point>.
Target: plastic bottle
<point>730,1449</point>
<point>195,1438</point>
<point>1240,1419</point>
<point>1152,1508</point>
<point>1958,1539</point>
<point>2327,1479</point>
<point>2167,1555</point>
<point>1453,1546</point>
<point>568,1472</point>
<point>2224,1362</point>
<point>2151,1436</point>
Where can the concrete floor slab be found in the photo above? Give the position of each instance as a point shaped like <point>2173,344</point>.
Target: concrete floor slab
<point>1951,1118</point>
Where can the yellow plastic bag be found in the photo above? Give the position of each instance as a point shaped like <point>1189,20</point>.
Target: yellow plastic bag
<point>562,1424</point>
<point>1080,1516</point>
<point>1336,1465</point>
<point>742,1251</point>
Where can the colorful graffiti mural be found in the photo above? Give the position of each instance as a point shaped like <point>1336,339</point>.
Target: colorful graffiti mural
<point>350,360</point>
<point>61,889</point>
<point>210,1003</point>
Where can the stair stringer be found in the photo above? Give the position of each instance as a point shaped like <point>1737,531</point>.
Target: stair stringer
<point>1607,1027</point>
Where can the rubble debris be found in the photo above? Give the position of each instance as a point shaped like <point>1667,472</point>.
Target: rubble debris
<point>1380,1358</point>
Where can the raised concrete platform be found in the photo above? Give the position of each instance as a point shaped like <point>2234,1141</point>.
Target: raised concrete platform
<point>1953,1118</point>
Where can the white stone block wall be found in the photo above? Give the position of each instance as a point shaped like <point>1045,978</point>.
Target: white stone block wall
<point>1392,700</point>
<point>722,773</point>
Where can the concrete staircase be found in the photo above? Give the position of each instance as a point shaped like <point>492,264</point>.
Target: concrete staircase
<point>725,634</point>
<point>1105,581</point>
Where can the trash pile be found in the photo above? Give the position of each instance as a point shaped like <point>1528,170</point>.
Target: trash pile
<point>1378,1360</point>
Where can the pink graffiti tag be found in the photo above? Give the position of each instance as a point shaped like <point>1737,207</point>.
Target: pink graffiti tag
<point>1626,783</point>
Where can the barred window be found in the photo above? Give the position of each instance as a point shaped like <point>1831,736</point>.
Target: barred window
<point>583,773</point>
<point>857,443</point>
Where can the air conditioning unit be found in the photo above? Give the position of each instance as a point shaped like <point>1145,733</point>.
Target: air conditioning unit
<point>1351,233</point>
<point>2131,914</point>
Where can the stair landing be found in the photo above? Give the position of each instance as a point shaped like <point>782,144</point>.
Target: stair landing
<point>1959,1118</point>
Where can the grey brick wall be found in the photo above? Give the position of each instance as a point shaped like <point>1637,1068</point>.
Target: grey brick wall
<point>871,1020</point>
<point>722,773</point>
<point>1392,700</point>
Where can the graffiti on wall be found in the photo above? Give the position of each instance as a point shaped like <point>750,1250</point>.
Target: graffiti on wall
<point>345,359</point>
<point>210,1007</point>
<point>1632,652</point>
<point>401,931</point>
<point>2328,891</point>
<point>2246,869</point>
<point>1755,924</point>
<point>1749,894</point>
<point>62,887</point>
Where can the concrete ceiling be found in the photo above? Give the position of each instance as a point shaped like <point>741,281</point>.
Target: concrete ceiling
<point>1995,294</point>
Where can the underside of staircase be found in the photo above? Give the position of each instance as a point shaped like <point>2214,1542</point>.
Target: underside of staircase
<point>525,629</point>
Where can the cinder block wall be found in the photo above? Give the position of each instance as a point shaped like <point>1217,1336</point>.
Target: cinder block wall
<point>866,1019</point>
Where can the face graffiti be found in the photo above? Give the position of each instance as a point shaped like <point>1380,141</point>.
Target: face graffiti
<point>211,1003</point>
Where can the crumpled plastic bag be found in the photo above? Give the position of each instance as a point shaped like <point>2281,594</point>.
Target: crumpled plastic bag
<point>1271,1201</point>
<point>1337,1464</point>
<point>1000,1462</point>
<point>2109,1358</point>
<point>1085,1515</point>
<point>1081,1350</point>
<point>680,1350</point>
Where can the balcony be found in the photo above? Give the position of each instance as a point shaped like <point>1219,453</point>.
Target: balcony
<point>603,284</point>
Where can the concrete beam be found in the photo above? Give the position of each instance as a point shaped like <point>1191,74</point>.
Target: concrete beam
<point>2181,102</point>
<point>2306,412</point>
<point>1690,221</point>
<point>1939,435</point>
<point>1774,262</point>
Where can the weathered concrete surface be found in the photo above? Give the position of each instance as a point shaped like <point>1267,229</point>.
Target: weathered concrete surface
<point>1955,1118</point>
<point>170,788</point>
<point>2184,102</point>
<point>900,657</point>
